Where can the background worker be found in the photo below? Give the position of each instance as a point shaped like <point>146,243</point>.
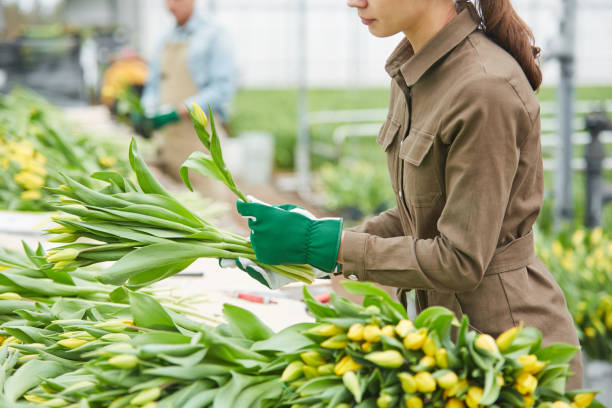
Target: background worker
<point>194,64</point>
<point>462,141</point>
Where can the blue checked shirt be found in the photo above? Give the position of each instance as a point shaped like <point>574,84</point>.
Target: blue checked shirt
<point>210,62</point>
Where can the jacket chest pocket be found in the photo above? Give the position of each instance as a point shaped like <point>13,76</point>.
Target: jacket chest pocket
<point>420,183</point>
<point>386,137</point>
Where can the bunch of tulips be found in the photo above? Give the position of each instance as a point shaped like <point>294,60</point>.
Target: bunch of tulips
<point>36,144</point>
<point>143,227</point>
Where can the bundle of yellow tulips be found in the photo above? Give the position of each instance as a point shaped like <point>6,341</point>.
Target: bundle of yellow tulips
<point>36,143</point>
<point>374,356</point>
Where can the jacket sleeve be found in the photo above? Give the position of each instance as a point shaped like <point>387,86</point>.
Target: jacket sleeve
<point>386,225</point>
<point>483,129</point>
<point>220,81</point>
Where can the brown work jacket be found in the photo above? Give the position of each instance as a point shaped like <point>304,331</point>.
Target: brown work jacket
<point>462,140</point>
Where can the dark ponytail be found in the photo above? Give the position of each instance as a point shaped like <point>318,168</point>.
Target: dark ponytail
<point>502,24</point>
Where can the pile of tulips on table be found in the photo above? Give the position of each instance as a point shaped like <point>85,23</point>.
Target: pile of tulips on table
<point>69,341</point>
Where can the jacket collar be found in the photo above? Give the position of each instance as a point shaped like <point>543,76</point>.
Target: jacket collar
<point>413,66</point>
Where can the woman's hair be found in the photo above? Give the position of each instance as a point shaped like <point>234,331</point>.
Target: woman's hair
<point>502,24</point>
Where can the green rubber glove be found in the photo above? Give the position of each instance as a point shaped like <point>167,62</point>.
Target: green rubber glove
<point>291,235</point>
<point>145,125</point>
<point>164,118</point>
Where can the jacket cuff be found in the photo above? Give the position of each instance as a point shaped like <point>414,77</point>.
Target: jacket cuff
<point>353,255</point>
<point>323,242</point>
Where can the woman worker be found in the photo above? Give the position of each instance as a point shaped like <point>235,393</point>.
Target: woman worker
<point>462,139</point>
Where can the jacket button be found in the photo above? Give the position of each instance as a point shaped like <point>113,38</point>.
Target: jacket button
<point>401,194</point>
<point>353,277</point>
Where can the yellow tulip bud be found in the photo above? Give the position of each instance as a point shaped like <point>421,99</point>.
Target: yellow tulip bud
<point>371,333</point>
<point>312,358</point>
<point>528,401</point>
<point>608,320</point>
<point>345,365</point>
<point>366,346</point>
<point>29,181</point>
<point>107,161</point>
<point>68,254</point>
<point>408,382</point>
<point>486,342</point>
<point>526,383</point>
<point>326,330</point>
<point>425,382</point>
<point>457,388</point>
<point>293,371</point>
<point>561,404</point>
<point>442,358</point>
<point>10,296</point>
<point>145,396</point>
<point>505,339</point>
<point>403,327</point>
<point>429,347</point>
<point>199,115</point>
<point>530,363</point>
<point>414,402</point>
<point>115,326</point>
<point>63,238</point>
<point>310,372</point>
<point>596,235</point>
<point>61,265</point>
<point>34,398</point>
<point>583,400</point>
<point>590,332</point>
<point>12,340</point>
<point>81,335</point>
<point>454,403</point>
<point>25,358</point>
<point>124,361</point>
<point>388,331</point>
<point>72,343</point>
<point>31,195</point>
<point>355,332</point>
<point>336,342</point>
<point>415,340</point>
<point>448,380</point>
<point>326,369</point>
<point>427,362</point>
<point>384,401</point>
<point>474,395</point>
<point>387,358</point>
